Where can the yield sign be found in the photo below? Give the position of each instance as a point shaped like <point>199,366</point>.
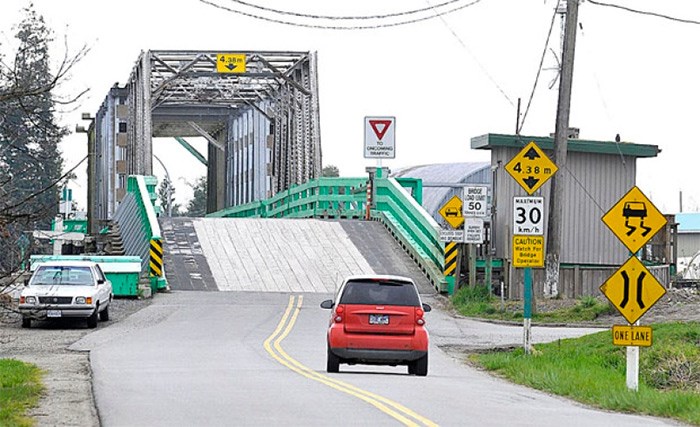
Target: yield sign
<point>380,127</point>
<point>634,219</point>
<point>632,289</point>
<point>380,133</point>
<point>531,168</point>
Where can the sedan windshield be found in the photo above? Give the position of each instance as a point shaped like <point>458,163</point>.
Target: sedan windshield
<point>62,275</point>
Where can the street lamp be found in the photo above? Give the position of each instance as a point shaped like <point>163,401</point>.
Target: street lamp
<point>169,189</point>
<point>91,174</point>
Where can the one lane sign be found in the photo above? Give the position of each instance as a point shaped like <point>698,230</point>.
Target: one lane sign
<point>380,133</point>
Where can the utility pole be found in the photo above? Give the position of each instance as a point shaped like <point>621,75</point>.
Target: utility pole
<point>561,134</point>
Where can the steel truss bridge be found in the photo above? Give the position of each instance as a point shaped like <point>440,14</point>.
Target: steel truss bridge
<point>259,113</point>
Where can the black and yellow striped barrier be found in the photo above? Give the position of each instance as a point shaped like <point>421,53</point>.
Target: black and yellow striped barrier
<point>156,258</point>
<point>450,258</point>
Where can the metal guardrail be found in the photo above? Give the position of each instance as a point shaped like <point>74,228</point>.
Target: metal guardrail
<point>139,228</point>
<point>394,207</point>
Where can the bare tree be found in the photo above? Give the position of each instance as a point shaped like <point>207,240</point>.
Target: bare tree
<point>31,163</point>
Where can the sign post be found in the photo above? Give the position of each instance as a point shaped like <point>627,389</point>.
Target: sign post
<point>530,168</point>
<point>632,289</point>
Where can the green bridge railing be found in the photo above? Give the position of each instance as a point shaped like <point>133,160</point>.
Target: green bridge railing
<point>139,229</point>
<point>397,209</point>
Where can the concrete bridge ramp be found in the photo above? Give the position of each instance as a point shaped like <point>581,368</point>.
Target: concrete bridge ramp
<point>279,255</point>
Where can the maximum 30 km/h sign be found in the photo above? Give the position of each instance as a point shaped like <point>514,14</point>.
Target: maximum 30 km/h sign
<point>528,215</point>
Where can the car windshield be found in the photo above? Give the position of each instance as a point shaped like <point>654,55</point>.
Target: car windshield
<point>380,292</point>
<point>62,275</point>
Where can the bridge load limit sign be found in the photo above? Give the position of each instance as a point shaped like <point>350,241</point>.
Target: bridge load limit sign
<point>380,133</point>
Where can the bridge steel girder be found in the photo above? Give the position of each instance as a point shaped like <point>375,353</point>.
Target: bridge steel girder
<point>266,119</point>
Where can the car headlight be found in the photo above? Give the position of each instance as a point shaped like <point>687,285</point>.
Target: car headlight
<point>80,300</point>
<point>30,300</point>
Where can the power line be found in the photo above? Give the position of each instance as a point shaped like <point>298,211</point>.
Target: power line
<point>539,70</point>
<point>642,12</point>
<point>336,27</point>
<point>340,17</point>
<point>459,39</point>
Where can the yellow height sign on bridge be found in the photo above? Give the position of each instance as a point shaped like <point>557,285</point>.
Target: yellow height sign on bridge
<point>230,63</point>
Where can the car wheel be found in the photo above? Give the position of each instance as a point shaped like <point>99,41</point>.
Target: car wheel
<point>333,362</point>
<point>26,322</point>
<point>92,320</point>
<point>104,314</point>
<point>419,367</point>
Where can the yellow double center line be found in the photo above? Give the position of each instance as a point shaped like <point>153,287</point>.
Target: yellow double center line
<point>273,346</point>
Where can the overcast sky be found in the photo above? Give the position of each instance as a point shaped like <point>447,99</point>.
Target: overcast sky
<point>445,80</point>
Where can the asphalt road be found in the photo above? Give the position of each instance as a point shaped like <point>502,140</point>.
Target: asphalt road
<point>246,358</point>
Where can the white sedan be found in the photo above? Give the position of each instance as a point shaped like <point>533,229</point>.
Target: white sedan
<point>66,289</point>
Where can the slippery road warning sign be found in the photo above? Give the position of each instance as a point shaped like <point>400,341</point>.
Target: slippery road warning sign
<point>380,135</point>
<point>634,219</point>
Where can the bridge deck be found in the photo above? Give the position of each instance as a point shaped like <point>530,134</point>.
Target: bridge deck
<point>279,255</point>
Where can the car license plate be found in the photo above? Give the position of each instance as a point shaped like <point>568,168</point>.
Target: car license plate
<point>378,319</point>
<point>53,313</point>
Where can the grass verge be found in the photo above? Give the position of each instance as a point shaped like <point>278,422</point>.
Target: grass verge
<point>591,370</point>
<point>20,389</point>
<point>477,301</point>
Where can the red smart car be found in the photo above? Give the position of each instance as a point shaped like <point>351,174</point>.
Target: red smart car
<point>378,320</point>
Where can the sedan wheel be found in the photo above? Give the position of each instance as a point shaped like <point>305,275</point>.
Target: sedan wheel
<point>26,322</point>
<point>104,314</point>
<point>92,320</point>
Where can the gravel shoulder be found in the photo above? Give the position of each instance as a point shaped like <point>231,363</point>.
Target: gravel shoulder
<point>68,398</point>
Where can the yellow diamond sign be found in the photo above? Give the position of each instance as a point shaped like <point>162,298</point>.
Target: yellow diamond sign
<point>531,168</point>
<point>632,289</point>
<point>452,212</point>
<point>634,219</point>
<point>230,63</point>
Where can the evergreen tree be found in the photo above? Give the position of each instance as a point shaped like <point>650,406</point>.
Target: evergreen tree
<point>330,171</point>
<point>165,184</point>
<point>197,207</point>
<point>30,160</point>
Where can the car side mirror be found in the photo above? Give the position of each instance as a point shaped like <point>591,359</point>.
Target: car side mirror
<point>327,304</point>
<point>26,282</point>
<point>100,281</point>
<point>427,307</point>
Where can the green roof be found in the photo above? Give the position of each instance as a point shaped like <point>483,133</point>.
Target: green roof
<point>492,140</point>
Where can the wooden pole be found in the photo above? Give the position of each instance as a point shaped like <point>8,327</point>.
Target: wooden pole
<point>556,200</point>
